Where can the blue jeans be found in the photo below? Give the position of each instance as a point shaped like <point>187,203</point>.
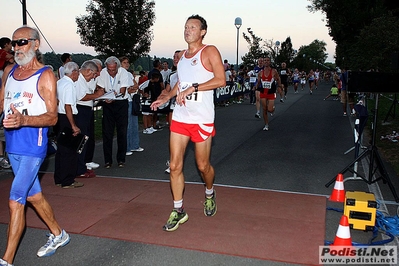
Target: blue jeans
<point>133,140</point>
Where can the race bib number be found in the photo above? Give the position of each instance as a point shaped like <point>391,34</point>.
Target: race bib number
<point>194,97</point>
<point>283,72</point>
<point>252,79</point>
<point>266,84</point>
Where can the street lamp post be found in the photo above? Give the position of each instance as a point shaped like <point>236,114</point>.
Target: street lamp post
<point>277,44</point>
<point>24,20</point>
<point>237,23</point>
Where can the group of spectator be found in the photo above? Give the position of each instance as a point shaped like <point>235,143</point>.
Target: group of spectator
<point>112,88</point>
<point>6,58</point>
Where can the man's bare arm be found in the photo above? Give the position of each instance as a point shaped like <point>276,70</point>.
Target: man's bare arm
<point>47,86</point>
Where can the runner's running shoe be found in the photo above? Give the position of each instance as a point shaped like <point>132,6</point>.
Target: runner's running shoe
<point>167,170</point>
<point>210,207</point>
<point>5,263</point>
<point>174,220</point>
<point>4,163</point>
<point>53,243</point>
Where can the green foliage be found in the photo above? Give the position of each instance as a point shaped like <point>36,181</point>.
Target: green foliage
<point>286,52</point>
<point>378,53</point>
<point>387,122</point>
<point>142,63</point>
<point>145,62</point>
<point>361,30</point>
<point>315,50</point>
<point>54,60</point>
<point>118,27</point>
<point>255,50</point>
<point>311,56</point>
<point>282,53</point>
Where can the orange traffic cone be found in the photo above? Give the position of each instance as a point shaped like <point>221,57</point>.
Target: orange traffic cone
<point>338,193</point>
<point>343,236</point>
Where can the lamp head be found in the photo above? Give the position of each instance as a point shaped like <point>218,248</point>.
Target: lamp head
<point>238,22</point>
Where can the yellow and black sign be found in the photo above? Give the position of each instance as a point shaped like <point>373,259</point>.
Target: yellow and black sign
<point>360,208</point>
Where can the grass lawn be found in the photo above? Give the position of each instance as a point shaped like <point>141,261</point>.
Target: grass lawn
<point>387,123</point>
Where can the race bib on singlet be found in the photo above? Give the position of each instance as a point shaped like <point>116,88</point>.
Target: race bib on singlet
<point>21,105</point>
<point>194,97</point>
<point>266,84</point>
<point>252,79</point>
<point>283,72</point>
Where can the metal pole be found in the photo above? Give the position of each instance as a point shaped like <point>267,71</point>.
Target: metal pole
<point>237,23</point>
<point>238,30</point>
<point>24,20</point>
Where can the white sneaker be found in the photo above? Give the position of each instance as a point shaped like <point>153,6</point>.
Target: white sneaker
<point>92,165</point>
<point>53,243</point>
<point>138,149</point>
<point>266,128</point>
<point>5,263</point>
<point>153,129</point>
<point>148,131</point>
<point>274,110</point>
<point>128,153</point>
<point>4,163</point>
<point>167,170</point>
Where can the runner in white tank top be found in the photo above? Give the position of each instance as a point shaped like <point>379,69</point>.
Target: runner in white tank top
<point>200,71</point>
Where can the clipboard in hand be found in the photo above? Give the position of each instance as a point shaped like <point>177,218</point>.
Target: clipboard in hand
<point>76,143</point>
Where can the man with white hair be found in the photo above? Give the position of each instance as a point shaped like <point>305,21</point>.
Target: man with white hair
<point>29,100</point>
<point>91,142</point>
<point>114,78</point>
<point>86,94</point>
<point>66,159</point>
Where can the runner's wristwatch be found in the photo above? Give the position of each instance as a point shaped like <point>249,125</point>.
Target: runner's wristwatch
<point>195,85</point>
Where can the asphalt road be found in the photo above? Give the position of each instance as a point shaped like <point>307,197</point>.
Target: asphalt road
<point>301,152</point>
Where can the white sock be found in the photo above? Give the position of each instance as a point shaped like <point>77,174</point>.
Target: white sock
<point>209,192</point>
<point>177,204</point>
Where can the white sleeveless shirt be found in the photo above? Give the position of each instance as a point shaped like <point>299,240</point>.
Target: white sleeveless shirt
<point>199,107</point>
<point>24,95</point>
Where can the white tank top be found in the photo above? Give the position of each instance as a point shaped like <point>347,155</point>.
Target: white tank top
<point>24,95</point>
<point>199,107</point>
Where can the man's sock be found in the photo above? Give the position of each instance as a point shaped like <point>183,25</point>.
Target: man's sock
<point>209,192</point>
<point>178,205</point>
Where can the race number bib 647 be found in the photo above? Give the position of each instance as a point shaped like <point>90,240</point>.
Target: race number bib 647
<point>266,84</point>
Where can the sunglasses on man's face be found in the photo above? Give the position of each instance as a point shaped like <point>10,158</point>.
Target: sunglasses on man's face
<point>21,42</point>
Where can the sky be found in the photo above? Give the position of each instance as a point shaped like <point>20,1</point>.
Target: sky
<point>269,20</point>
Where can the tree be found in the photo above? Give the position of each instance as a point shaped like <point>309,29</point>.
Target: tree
<point>311,56</point>
<point>54,60</point>
<point>118,27</point>
<point>286,52</point>
<point>348,20</point>
<point>255,50</point>
<point>381,38</point>
<point>283,54</point>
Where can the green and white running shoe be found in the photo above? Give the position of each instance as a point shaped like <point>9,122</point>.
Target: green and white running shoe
<point>174,220</point>
<point>210,207</point>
